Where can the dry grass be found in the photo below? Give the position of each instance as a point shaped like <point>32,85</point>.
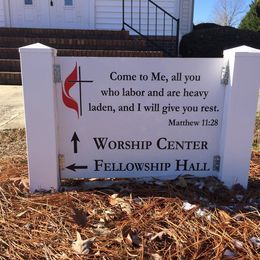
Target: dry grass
<point>144,221</point>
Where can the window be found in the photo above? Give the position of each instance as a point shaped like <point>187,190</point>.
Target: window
<point>68,2</point>
<point>28,2</point>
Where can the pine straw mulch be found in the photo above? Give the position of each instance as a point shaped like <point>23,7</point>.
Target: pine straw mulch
<point>187,218</point>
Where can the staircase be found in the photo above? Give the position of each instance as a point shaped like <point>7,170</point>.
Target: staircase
<point>153,23</point>
<point>88,43</point>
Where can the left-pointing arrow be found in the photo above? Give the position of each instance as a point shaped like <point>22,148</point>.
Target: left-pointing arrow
<point>74,167</point>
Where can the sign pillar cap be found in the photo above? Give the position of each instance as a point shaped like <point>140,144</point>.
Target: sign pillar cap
<point>38,47</point>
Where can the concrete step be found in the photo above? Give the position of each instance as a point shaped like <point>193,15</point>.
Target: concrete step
<point>108,53</point>
<point>89,44</point>
<point>9,53</point>
<point>10,68</point>
<point>64,33</point>
<point>166,43</point>
<point>10,65</point>
<point>86,43</point>
<point>10,78</point>
<point>13,53</point>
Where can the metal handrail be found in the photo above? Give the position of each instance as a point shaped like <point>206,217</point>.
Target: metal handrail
<point>159,7</point>
<point>148,36</point>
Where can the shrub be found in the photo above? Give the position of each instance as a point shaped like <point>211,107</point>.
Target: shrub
<point>252,19</point>
<point>203,26</point>
<point>213,41</point>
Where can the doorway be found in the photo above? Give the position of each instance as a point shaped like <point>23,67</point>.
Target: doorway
<point>63,14</point>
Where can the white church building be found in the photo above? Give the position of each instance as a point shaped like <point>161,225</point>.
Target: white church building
<point>99,14</point>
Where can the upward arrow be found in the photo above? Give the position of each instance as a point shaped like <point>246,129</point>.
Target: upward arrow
<point>75,141</point>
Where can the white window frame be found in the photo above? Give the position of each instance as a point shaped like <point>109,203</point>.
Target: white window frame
<point>69,5</point>
<point>28,3</point>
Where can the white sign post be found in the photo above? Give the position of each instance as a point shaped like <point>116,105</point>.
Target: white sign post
<point>239,114</point>
<point>40,116</point>
<point>138,117</point>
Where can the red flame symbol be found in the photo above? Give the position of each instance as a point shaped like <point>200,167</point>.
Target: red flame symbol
<point>69,83</point>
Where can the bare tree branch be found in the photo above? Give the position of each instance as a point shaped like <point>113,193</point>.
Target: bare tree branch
<point>229,12</point>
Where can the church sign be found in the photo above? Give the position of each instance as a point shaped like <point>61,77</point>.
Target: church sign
<point>138,117</point>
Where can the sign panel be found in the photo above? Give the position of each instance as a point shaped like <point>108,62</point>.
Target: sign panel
<point>138,117</point>
<point>125,117</point>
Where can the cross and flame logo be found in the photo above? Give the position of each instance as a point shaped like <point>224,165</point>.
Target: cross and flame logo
<point>70,82</point>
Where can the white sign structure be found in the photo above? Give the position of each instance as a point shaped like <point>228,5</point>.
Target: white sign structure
<point>138,117</point>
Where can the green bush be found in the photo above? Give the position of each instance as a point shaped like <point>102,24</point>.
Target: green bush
<point>258,8</point>
<point>252,19</point>
<point>213,41</point>
<point>203,26</point>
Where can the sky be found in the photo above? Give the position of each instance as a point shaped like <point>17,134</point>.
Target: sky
<point>204,9</point>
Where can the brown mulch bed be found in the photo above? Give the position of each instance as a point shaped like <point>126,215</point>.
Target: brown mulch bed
<point>189,218</point>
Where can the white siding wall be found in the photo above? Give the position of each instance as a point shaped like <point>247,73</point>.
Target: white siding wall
<point>2,14</point>
<point>109,15</point>
<point>186,18</point>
